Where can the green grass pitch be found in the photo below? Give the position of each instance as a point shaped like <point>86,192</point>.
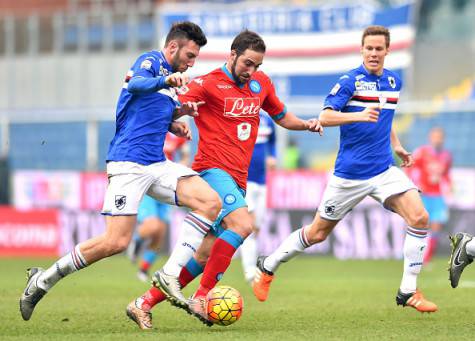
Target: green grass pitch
<point>311,299</point>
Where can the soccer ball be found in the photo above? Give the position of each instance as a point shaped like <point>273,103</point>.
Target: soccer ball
<point>224,305</point>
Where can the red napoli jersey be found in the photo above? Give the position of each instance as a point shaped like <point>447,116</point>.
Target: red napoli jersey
<point>431,170</point>
<point>229,120</point>
<point>172,144</point>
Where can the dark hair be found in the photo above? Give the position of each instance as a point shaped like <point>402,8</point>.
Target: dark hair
<point>186,30</point>
<point>376,31</point>
<point>248,40</point>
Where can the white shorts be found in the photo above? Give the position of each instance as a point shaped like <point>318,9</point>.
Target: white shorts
<point>129,181</point>
<point>341,195</point>
<point>256,199</point>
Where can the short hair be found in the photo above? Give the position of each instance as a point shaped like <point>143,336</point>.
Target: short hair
<point>376,31</point>
<point>248,40</point>
<point>186,30</point>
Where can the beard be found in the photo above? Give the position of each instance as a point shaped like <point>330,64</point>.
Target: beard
<point>236,77</point>
<point>176,61</point>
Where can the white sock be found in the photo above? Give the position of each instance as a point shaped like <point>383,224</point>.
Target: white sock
<point>293,245</point>
<point>72,262</point>
<point>249,256</point>
<point>193,229</point>
<point>414,247</point>
<point>470,247</point>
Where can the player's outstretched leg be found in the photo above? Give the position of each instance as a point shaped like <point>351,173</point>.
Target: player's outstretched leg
<point>459,258</point>
<point>32,293</point>
<point>141,317</point>
<point>262,280</point>
<point>415,300</point>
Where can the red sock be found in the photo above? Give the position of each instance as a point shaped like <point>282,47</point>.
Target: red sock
<point>154,295</point>
<point>218,261</point>
<point>144,265</point>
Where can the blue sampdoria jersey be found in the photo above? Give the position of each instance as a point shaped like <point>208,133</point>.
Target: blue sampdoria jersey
<point>365,148</point>
<point>265,146</point>
<point>143,116</point>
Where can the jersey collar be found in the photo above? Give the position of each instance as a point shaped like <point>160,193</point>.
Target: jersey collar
<point>363,70</point>
<point>226,71</point>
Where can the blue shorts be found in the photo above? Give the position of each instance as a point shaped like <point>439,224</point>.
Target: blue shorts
<point>437,209</point>
<point>151,208</point>
<point>230,193</point>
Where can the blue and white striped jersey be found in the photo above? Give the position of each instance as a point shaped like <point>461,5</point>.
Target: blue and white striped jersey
<point>365,148</point>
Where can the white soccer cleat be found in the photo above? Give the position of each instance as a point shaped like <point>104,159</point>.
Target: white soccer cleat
<point>32,293</point>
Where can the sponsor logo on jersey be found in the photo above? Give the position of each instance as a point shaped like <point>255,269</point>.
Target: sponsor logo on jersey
<point>242,107</point>
<point>146,64</point>
<point>255,86</point>
<point>392,82</point>
<point>120,201</point>
<point>362,85</point>
<point>243,131</point>
<point>224,86</point>
<point>163,71</point>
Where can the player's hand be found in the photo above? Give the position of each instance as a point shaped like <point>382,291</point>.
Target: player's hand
<point>180,129</point>
<point>315,126</point>
<point>370,114</point>
<point>177,79</point>
<point>190,108</point>
<point>405,156</point>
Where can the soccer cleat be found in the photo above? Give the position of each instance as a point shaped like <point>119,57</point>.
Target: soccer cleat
<point>143,276</point>
<point>415,300</point>
<point>262,280</point>
<point>197,308</point>
<point>170,286</point>
<point>459,258</point>
<point>32,293</point>
<point>139,316</point>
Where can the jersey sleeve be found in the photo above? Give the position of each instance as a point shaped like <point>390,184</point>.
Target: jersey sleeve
<point>272,104</point>
<point>194,91</point>
<point>340,94</point>
<point>146,75</point>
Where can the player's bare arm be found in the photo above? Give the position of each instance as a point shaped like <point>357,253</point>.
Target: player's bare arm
<point>330,118</point>
<point>292,122</point>
<point>180,129</point>
<point>404,155</point>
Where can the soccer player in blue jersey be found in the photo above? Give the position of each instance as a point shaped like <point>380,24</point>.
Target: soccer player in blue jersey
<point>263,159</point>
<point>362,103</point>
<point>137,165</point>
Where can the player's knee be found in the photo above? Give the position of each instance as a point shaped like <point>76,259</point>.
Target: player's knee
<point>244,229</point>
<point>113,247</point>
<point>419,219</point>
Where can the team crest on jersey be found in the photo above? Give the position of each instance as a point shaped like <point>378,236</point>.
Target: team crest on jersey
<point>330,208</point>
<point>120,201</point>
<point>362,85</point>
<point>244,131</point>
<point>146,64</point>
<point>241,107</point>
<point>392,82</point>
<point>255,86</point>
<point>229,199</point>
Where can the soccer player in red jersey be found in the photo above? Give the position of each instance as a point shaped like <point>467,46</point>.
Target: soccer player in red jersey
<point>227,122</point>
<point>431,173</point>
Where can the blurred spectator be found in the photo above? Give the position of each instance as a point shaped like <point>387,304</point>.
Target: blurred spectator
<point>291,156</point>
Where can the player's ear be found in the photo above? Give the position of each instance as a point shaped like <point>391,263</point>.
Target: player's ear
<point>233,55</point>
<point>173,46</point>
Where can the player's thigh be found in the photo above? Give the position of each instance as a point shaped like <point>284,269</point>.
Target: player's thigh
<point>119,229</point>
<point>232,196</point>
<point>410,207</point>
<point>193,192</point>
<point>340,196</point>
<point>128,182</point>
